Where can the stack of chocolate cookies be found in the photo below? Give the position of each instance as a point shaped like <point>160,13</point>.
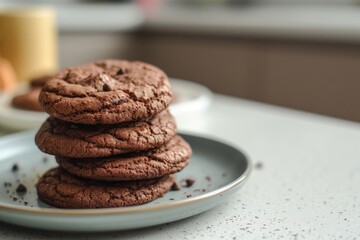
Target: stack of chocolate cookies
<point>111,134</point>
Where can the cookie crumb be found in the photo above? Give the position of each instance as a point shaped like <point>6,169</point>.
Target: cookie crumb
<point>14,199</point>
<point>7,184</point>
<point>171,199</point>
<point>208,178</point>
<point>26,203</point>
<point>21,188</point>
<point>259,165</point>
<point>189,182</point>
<point>175,187</point>
<point>45,159</point>
<point>188,195</point>
<point>15,168</point>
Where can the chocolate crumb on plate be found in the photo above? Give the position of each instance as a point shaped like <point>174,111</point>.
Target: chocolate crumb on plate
<point>259,165</point>
<point>15,168</point>
<point>190,182</point>
<point>208,178</point>
<point>7,184</point>
<point>175,187</point>
<point>21,188</point>
<point>14,199</point>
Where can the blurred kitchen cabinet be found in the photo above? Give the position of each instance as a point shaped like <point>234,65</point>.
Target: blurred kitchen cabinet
<point>223,66</point>
<point>321,78</point>
<point>311,76</point>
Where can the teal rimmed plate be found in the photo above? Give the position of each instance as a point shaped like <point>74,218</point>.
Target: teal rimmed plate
<point>219,169</point>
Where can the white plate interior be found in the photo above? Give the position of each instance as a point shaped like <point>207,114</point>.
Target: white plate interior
<point>17,119</point>
<point>189,97</point>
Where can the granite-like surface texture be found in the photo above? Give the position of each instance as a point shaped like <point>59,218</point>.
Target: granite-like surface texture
<point>305,182</point>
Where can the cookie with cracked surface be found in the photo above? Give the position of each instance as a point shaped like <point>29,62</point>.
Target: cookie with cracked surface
<point>28,100</point>
<point>168,159</point>
<point>61,189</point>
<point>66,139</point>
<point>107,92</point>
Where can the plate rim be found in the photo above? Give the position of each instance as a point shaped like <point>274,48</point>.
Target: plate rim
<point>16,116</point>
<point>132,209</point>
<point>201,101</point>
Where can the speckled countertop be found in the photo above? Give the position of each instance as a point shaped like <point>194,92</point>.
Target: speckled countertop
<point>305,183</point>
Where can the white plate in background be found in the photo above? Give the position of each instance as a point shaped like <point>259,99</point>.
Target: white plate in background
<point>189,97</point>
<point>14,119</point>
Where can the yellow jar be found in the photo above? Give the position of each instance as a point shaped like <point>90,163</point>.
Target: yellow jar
<point>28,40</point>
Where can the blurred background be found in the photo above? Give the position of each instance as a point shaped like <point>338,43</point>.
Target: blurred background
<point>302,54</point>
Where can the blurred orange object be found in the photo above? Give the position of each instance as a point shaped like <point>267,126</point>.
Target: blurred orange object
<point>7,76</point>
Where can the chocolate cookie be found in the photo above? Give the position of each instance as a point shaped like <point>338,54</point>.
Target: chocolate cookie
<point>65,139</point>
<point>39,81</point>
<point>168,159</point>
<point>28,101</point>
<point>107,92</point>
<point>61,189</point>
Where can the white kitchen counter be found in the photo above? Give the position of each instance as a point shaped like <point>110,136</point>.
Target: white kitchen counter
<point>305,183</point>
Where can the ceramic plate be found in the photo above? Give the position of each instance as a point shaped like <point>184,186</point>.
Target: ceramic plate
<point>189,97</point>
<point>16,119</point>
<point>218,169</point>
